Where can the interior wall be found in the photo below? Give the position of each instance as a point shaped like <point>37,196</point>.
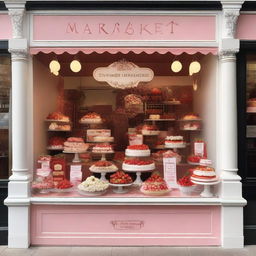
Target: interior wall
<point>45,101</point>
<point>205,103</point>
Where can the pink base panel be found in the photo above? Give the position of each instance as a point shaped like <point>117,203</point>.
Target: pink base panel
<point>125,225</point>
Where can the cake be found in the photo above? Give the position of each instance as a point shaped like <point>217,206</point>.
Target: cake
<point>190,117</point>
<point>137,150</point>
<point>75,145</point>
<point>149,130</point>
<point>251,102</point>
<point>155,185</point>
<point>103,139</point>
<point>154,117</point>
<point>56,143</point>
<point>137,164</point>
<point>203,173</point>
<point>102,148</point>
<point>120,178</point>
<point>158,156</point>
<point>103,166</point>
<point>93,184</point>
<point>58,116</point>
<point>191,126</point>
<point>59,127</point>
<point>91,117</point>
<point>174,142</point>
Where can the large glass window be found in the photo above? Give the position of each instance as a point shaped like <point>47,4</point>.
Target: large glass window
<point>153,139</point>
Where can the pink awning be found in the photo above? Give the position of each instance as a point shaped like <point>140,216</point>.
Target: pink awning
<point>175,51</point>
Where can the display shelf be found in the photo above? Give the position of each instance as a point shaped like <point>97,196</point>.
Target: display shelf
<point>191,130</point>
<point>161,120</point>
<point>189,120</point>
<point>58,130</point>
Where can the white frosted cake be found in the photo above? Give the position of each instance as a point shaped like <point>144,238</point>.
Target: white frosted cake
<point>138,165</point>
<point>174,142</point>
<point>137,150</point>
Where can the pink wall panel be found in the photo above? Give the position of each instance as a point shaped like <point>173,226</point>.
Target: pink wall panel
<point>128,225</point>
<point>5,27</point>
<point>246,29</point>
<point>112,27</point>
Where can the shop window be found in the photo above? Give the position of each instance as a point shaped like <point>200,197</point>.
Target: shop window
<point>92,138</point>
<point>5,88</point>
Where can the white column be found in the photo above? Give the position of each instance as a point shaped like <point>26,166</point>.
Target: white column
<point>18,200</point>
<point>231,187</point>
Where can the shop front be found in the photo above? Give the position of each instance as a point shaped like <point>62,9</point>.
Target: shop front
<point>124,128</point>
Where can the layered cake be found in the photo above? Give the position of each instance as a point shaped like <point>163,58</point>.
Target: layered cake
<point>56,143</point>
<point>59,127</point>
<point>137,150</point>
<point>58,116</point>
<point>174,142</point>
<point>191,117</point>
<point>102,148</point>
<point>120,178</point>
<point>149,130</point>
<point>137,164</point>
<point>75,145</point>
<point>91,118</point>
<point>103,139</point>
<point>93,184</point>
<point>204,174</point>
<point>103,166</point>
<point>155,185</point>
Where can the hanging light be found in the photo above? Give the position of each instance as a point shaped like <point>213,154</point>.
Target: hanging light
<point>194,67</point>
<point>176,66</point>
<point>75,66</point>
<point>54,67</point>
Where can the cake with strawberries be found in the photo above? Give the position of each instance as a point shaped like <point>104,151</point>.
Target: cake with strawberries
<point>103,166</point>
<point>137,150</point>
<point>102,149</point>
<point>204,174</point>
<point>148,129</point>
<point>56,143</point>
<point>91,118</point>
<point>155,185</point>
<point>137,164</point>
<point>57,116</point>
<point>120,177</point>
<point>174,142</point>
<point>75,145</point>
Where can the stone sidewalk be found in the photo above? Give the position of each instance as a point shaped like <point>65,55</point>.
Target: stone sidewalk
<point>127,251</point>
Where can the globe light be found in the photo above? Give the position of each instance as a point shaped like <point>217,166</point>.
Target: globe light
<point>176,66</point>
<point>54,67</point>
<point>194,67</point>
<point>75,66</point>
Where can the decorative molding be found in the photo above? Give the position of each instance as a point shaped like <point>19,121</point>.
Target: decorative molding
<point>17,22</point>
<point>228,54</point>
<point>18,54</point>
<point>230,22</point>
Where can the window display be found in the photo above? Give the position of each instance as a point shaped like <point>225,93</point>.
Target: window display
<point>149,140</point>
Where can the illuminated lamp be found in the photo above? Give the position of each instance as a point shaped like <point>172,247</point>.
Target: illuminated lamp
<point>194,67</point>
<point>75,66</point>
<point>54,67</point>
<point>176,66</point>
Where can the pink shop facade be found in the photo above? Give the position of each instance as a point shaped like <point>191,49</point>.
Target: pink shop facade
<point>137,80</point>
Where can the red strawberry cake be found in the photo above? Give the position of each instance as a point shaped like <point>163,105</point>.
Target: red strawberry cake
<point>149,130</point>
<point>75,145</point>
<point>91,117</point>
<point>204,174</point>
<point>155,185</point>
<point>174,142</point>
<point>137,150</point>
<point>103,166</point>
<point>120,178</point>
<point>56,143</point>
<point>137,164</point>
<point>102,148</point>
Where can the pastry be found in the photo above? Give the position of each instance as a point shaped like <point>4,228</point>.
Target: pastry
<point>75,145</point>
<point>103,166</point>
<point>203,173</point>
<point>56,143</point>
<point>64,184</point>
<point>58,116</point>
<point>190,117</point>
<point>93,184</point>
<point>59,127</point>
<point>120,178</point>
<point>137,150</point>
<point>137,164</point>
<point>91,117</point>
<point>174,142</point>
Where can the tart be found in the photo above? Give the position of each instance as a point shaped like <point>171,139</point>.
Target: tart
<point>137,150</point>
<point>103,166</point>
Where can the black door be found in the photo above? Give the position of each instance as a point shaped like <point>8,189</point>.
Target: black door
<point>246,99</point>
<point>5,149</point>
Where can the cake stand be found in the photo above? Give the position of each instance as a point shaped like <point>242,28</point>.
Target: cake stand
<point>120,188</point>
<point>103,173</point>
<point>138,181</point>
<point>207,186</point>
<point>103,155</point>
<point>176,147</point>
<point>76,158</point>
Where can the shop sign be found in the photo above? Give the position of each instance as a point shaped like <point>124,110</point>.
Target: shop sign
<point>123,74</point>
<point>127,224</point>
<point>170,172</point>
<point>125,27</point>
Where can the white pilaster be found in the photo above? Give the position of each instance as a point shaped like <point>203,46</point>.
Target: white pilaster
<point>231,187</point>
<point>19,184</point>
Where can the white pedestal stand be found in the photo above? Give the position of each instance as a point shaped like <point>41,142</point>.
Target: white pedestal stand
<point>76,158</point>
<point>120,188</point>
<point>207,187</point>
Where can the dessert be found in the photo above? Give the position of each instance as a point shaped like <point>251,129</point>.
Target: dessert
<point>251,102</point>
<point>137,150</point>
<point>102,148</point>
<point>155,185</point>
<point>75,145</point>
<point>64,184</point>
<point>91,117</point>
<point>203,173</point>
<point>103,166</point>
<point>120,178</point>
<point>154,117</point>
<point>170,154</point>
<point>103,139</point>
<point>194,159</point>
<point>191,126</point>
<point>190,117</point>
<point>59,127</point>
<point>149,130</point>
<point>43,183</point>
<point>132,99</point>
<point>138,165</point>
<point>186,185</point>
<point>93,184</point>
<point>58,116</point>
<point>174,142</point>
<point>56,143</point>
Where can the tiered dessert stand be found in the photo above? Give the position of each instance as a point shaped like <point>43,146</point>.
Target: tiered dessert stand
<point>120,188</point>
<point>103,172</point>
